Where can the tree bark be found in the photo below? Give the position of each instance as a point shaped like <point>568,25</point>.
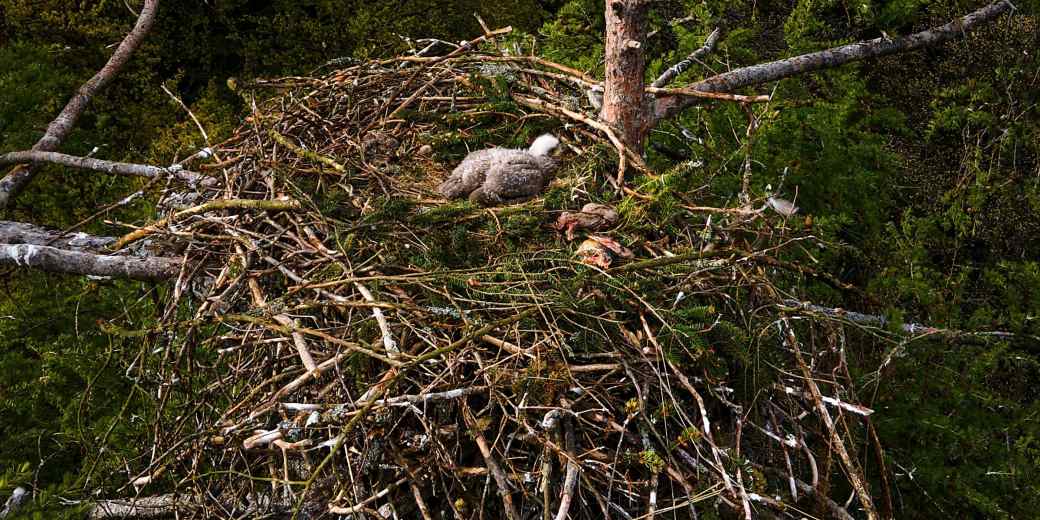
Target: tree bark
<point>830,58</point>
<point>52,259</point>
<point>626,106</point>
<point>19,177</point>
<point>25,245</point>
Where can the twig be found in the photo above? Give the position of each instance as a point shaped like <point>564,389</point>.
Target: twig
<point>298,341</point>
<point>306,154</point>
<point>571,478</point>
<point>489,459</point>
<point>855,477</point>
<point>721,96</point>
<point>388,338</point>
<point>213,205</point>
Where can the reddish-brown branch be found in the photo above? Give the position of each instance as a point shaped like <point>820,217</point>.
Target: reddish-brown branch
<point>19,177</point>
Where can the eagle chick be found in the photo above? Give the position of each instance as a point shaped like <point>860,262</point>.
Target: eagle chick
<point>502,175</point>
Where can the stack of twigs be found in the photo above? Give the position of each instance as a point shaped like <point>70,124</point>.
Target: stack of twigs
<point>345,342</point>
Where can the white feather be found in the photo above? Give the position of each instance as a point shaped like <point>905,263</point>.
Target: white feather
<point>543,145</point>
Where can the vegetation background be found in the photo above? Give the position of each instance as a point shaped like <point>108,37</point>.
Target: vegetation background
<point>924,166</point>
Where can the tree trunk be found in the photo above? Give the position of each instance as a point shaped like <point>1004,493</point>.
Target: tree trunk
<point>626,106</point>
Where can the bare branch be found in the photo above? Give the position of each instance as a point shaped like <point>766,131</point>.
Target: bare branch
<point>46,258</point>
<point>909,329</point>
<point>489,458</point>
<point>836,510</point>
<point>852,471</point>
<point>16,180</point>
<point>101,165</point>
<point>22,233</point>
<point>673,72</point>
<point>722,96</point>
<point>213,205</point>
<point>830,58</point>
<point>571,479</point>
<point>27,245</point>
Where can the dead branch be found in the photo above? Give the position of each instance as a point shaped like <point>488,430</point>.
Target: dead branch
<point>909,329</point>
<point>23,233</point>
<point>859,484</point>
<point>830,58</point>
<point>571,478</point>
<point>489,459</point>
<point>16,180</point>
<point>213,205</point>
<point>143,507</point>
<point>722,96</point>
<point>116,168</point>
<point>56,260</point>
<point>673,72</point>
<point>300,343</point>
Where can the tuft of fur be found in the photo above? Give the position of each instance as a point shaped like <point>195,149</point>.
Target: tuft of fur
<point>502,175</point>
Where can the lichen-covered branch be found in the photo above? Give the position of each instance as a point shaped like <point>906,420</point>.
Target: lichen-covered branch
<point>213,205</point>
<point>673,72</point>
<point>23,233</point>
<point>26,245</point>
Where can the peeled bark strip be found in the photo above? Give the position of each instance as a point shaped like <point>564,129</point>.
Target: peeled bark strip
<point>19,177</point>
<point>46,258</point>
<point>626,107</point>
<point>830,58</point>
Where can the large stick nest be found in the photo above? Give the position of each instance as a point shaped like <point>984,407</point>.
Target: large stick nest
<point>356,345</point>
